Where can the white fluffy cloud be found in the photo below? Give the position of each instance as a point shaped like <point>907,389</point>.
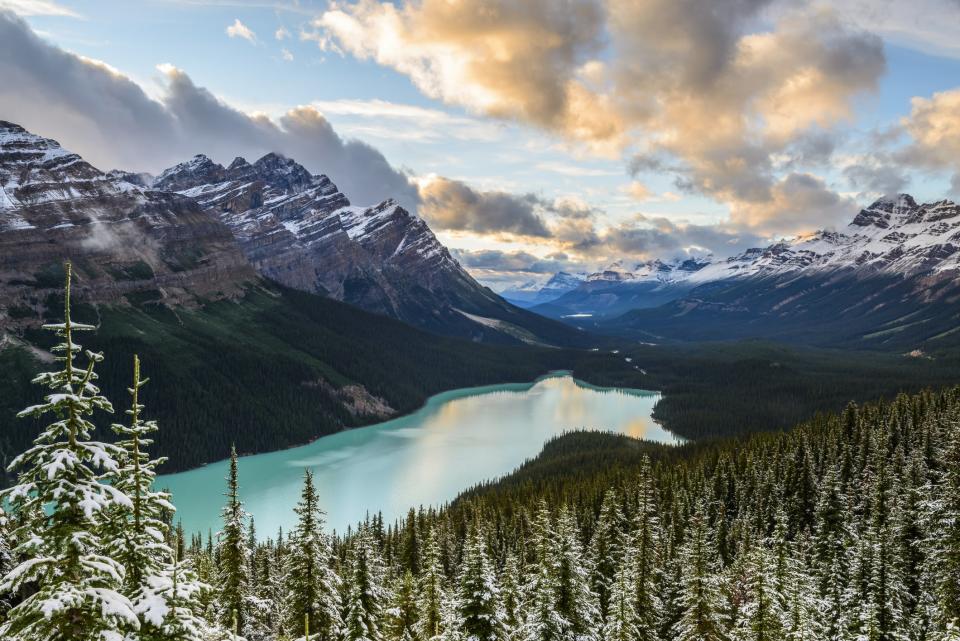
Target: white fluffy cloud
<point>714,96</point>
<point>240,30</point>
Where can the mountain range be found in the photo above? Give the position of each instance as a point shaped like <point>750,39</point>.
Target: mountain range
<point>886,281</point>
<point>201,230</point>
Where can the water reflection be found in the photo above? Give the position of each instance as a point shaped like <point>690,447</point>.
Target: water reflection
<point>457,440</point>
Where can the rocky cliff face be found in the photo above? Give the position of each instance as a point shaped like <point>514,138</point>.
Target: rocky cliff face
<point>301,231</point>
<point>124,238</point>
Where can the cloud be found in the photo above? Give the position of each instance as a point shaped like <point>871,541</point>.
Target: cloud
<point>648,237</point>
<point>728,104</point>
<point>281,33</point>
<point>876,179</point>
<point>393,120</point>
<point>240,30</point>
<point>37,8</point>
<point>524,61</point>
<point>934,130</point>
<point>925,25</point>
<point>512,261</point>
<point>638,191</point>
<point>286,55</point>
<point>798,203</point>
<point>105,116</point>
<point>452,205</point>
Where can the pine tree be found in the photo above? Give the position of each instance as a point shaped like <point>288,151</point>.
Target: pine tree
<point>366,593</point>
<point>402,615</point>
<point>312,585</point>
<point>139,537</point>
<point>575,601</point>
<point>233,555</point>
<point>478,603</point>
<point>431,592</point>
<point>605,551</point>
<point>75,586</point>
<point>701,586</point>
<point>642,554</point>
<point>621,622</point>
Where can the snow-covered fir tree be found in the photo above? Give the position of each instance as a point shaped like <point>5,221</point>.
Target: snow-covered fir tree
<point>367,595</point>
<point>74,586</point>
<point>431,591</point>
<point>480,611</point>
<point>233,554</point>
<point>701,619</point>
<point>621,619</point>
<point>402,613</point>
<point>312,586</point>
<point>165,594</point>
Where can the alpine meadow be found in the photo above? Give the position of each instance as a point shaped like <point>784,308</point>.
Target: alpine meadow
<point>479,320</point>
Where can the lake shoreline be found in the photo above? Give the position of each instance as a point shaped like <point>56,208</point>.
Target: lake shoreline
<point>459,438</point>
<point>426,403</point>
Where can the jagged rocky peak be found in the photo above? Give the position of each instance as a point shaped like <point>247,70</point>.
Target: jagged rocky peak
<point>892,212</point>
<point>196,171</point>
<point>282,173</point>
<point>123,236</point>
<point>36,170</point>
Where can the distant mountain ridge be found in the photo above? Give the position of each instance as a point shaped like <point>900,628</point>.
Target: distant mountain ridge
<point>889,280</point>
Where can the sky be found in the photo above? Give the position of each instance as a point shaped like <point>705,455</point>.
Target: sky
<point>532,135</point>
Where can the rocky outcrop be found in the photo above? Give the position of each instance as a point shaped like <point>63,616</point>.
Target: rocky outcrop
<point>124,238</point>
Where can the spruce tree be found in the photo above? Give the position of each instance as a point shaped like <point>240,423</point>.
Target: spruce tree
<point>366,595</point>
<point>402,614</point>
<point>701,619</point>
<point>642,553</point>
<point>947,526</point>
<point>621,621</point>
<point>74,586</point>
<point>431,591</point>
<point>576,603</point>
<point>605,553</point>
<point>233,555</point>
<point>831,554</point>
<point>763,614</point>
<point>544,622</point>
<point>512,598</point>
<point>312,585</point>
<point>165,594</point>
<point>479,606</point>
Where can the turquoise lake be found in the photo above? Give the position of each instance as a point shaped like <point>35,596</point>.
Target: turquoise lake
<point>458,439</point>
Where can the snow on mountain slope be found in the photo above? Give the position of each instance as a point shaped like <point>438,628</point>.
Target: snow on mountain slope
<point>301,231</point>
<point>891,236</point>
<point>887,281</point>
<point>123,237</point>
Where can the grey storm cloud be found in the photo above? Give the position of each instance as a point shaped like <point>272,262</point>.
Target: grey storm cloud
<point>450,204</point>
<point>513,261</point>
<point>661,237</point>
<point>885,179</point>
<point>106,117</point>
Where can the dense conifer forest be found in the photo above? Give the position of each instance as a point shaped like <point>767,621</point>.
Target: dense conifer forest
<point>845,527</point>
<point>264,373</point>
